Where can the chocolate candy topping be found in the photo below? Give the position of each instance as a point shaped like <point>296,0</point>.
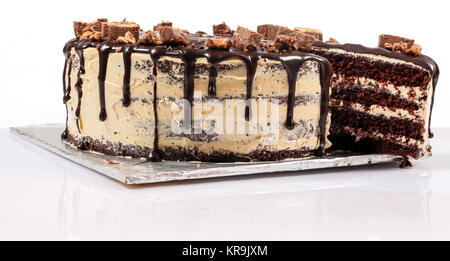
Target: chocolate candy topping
<point>174,36</point>
<point>113,30</point>
<point>151,38</point>
<point>312,32</point>
<point>161,25</point>
<point>80,27</point>
<point>246,39</point>
<point>401,44</point>
<point>294,40</point>
<point>391,40</point>
<point>218,43</point>
<point>268,31</point>
<point>222,30</point>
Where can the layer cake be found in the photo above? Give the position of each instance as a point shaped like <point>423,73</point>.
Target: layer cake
<point>241,95</point>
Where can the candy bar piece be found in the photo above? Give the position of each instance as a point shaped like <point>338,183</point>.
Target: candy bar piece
<point>269,31</point>
<point>331,40</point>
<point>151,38</point>
<point>294,40</point>
<point>174,36</point>
<point>222,30</point>
<point>218,43</point>
<point>127,39</point>
<point>246,39</point>
<point>390,41</point>
<point>313,32</point>
<point>160,26</point>
<point>113,30</point>
<point>80,27</point>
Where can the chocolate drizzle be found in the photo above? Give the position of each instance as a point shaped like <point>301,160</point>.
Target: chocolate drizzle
<point>212,82</point>
<point>292,62</point>
<point>423,61</point>
<point>103,54</point>
<point>66,73</point>
<point>155,54</point>
<point>127,51</point>
<point>79,47</point>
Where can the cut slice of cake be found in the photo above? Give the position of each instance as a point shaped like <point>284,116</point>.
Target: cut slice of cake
<point>381,98</point>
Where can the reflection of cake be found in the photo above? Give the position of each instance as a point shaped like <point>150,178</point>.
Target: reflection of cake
<point>381,100</point>
<point>119,103</point>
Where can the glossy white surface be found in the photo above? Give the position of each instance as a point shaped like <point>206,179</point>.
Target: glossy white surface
<point>43,196</point>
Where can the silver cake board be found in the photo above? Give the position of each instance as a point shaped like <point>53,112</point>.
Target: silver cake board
<point>138,171</point>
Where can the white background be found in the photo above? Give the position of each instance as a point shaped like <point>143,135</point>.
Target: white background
<point>33,34</point>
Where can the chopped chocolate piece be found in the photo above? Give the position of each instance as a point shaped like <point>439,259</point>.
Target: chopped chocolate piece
<point>79,27</point>
<point>269,31</point>
<point>127,39</point>
<point>174,36</point>
<point>200,33</point>
<point>151,38</point>
<point>94,37</point>
<point>113,30</point>
<point>402,47</point>
<point>269,45</point>
<point>97,25</point>
<point>414,50</point>
<point>391,42</point>
<point>284,42</point>
<point>332,41</point>
<point>161,25</point>
<point>285,30</point>
<point>313,32</point>
<point>246,39</point>
<point>218,43</point>
<point>222,30</point>
<point>294,40</point>
<point>90,34</point>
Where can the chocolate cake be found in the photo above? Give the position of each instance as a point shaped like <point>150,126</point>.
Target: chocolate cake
<point>168,94</point>
<point>240,95</point>
<point>381,98</point>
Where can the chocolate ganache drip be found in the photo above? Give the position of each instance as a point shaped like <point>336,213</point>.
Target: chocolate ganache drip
<point>103,54</point>
<point>292,62</point>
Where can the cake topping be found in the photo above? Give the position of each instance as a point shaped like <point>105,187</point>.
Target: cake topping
<point>95,26</point>
<point>269,31</point>
<point>218,43</point>
<point>113,30</point>
<point>386,40</point>
<point>293,40</point>
<point>127,39</point>
<point>222,30</point>
<point>90,34</point>
<point>151,38</point>
<point>200,33</point>
<point>174,36</point>
<point>331,40</point>
<point>401,44</point>
<point>414,50</point>
<point>161,25</point>
<point>246,39</point>
<point>312,32</point>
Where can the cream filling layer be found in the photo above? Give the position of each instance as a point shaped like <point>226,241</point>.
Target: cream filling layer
<point>378,110</point>
<point>402,91</point>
